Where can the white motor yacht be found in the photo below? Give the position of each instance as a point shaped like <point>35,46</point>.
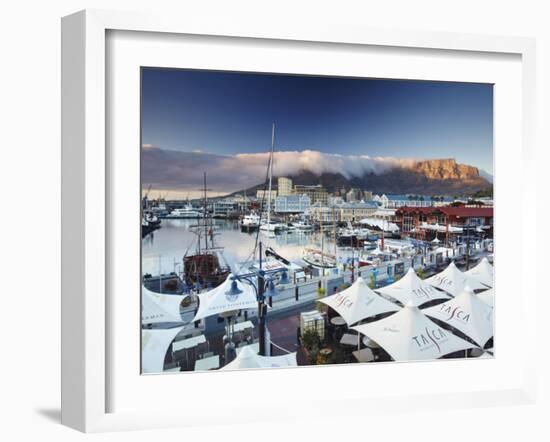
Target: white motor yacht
<point>250,222</point>
<point>270,226</point>
<point>187,212</point>
<point>301,225</point>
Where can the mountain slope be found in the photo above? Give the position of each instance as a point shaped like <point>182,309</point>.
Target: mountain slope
<point>170,169</point>
<point>430,177</point>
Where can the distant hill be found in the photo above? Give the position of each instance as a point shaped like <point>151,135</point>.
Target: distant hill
<point>430,177</point>
<point>183,171</point>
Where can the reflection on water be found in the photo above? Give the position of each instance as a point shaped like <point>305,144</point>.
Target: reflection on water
<point>164,249</point>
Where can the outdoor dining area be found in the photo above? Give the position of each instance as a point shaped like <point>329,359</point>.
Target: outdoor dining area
<point>448,315</point>
<point>168,348</point>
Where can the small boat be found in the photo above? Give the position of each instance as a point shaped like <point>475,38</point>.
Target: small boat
<point>317,258</point>
<point>302,226</point>
<point>149,223</point>
<point>271,226</point>
<point>188,212</point>
<point>250,223</point>
<point>151,218</point>
<point>290,228</point>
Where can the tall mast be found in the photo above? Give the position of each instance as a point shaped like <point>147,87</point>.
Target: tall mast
<point>334,232</point>
<point>270,174</point>
<point>322,242</point>
<point>204,217</point>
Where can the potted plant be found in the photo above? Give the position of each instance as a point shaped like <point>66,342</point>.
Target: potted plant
<point>311,343</point>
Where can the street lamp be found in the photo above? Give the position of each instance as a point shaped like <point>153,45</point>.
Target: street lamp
<point>263,282</point>
<point>352,263</point>
<point>468,226</point>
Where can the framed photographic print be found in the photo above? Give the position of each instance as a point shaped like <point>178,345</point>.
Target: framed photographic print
<point>288,208</point>
<point>350,243</point>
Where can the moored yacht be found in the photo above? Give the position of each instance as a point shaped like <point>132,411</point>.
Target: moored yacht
<point>317,258</point>
<point>149,223</point>
<point>271,226</point>
<point>303,226</point>
<point>187,212</point>
<point>250,223</point>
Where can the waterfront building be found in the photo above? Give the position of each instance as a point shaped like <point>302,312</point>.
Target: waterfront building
<point>478,201</point>
<point>322,214</point>
<point>263,194</point>
<point>284,186</point>
<point>426,222</point>
<point>354,212</point>
<point>223,208</point>
<point>244,202</point>
<point>487,201</point>
<point>383,214</point>
<point>401,200</point>
<point>440,201</point>
<point>367,195</point>
<point>335,201</point>
<point>316,193</point>
<point>292,203</point>
<point>354,194</point>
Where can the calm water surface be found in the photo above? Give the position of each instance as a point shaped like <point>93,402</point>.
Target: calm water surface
<point>164,249</point>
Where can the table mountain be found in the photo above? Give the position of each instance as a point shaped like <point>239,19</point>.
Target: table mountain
<point>429,177</point>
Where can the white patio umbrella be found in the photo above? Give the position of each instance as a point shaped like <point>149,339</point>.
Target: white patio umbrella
<point>410,288</point>
<point>358,302</point>
<point>488,297</point>
<point>221,299</point>
<point>248,358</point>
<point>486,355</point>
<point>409,335</point>
<point>154,345</point>
<point>483,272</point>
<point>466,313</point>
<point>453,281</point>
<point>157,308</point>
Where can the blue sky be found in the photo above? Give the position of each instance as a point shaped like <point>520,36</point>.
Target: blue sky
<point>229,113</point>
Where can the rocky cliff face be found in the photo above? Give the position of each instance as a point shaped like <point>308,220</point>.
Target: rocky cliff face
<point>430,177</point>
<point>446,169</point>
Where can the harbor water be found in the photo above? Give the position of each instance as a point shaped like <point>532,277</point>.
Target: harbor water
<point>163,250</point>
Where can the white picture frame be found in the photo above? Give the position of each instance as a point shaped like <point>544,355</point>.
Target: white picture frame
<point>86,315</point>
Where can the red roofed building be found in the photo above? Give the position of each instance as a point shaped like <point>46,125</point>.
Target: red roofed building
<point>428,222</point>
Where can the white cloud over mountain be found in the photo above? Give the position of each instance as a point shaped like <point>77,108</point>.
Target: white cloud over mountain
<point>172,169</point>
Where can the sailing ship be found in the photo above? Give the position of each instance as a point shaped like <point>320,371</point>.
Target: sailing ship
<point>205,268</point>
<point>318,258</point>
<point>267,225</point>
